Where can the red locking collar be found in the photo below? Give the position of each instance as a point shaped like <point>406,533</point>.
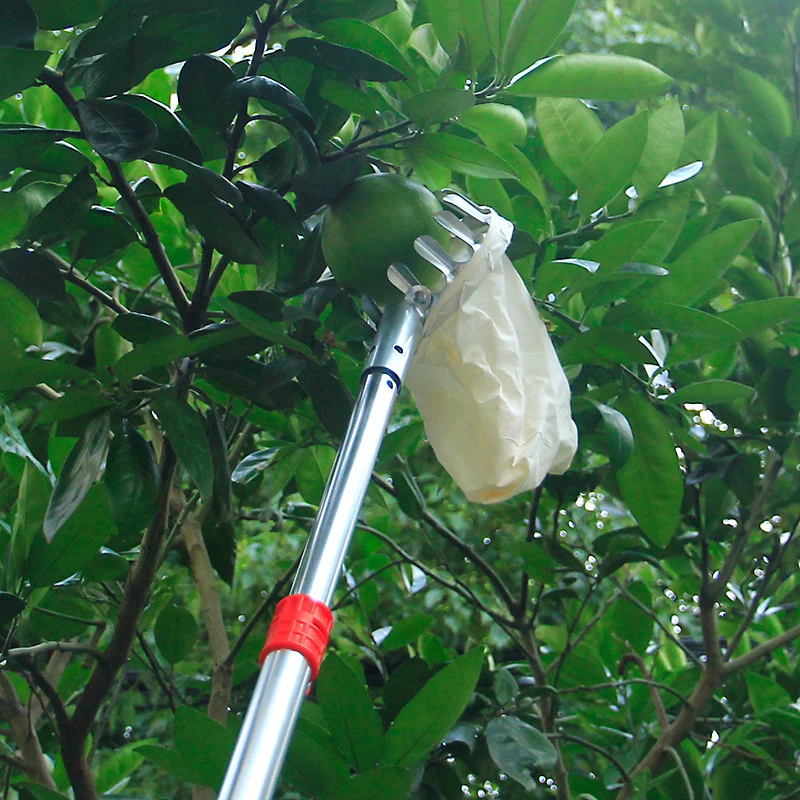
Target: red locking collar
<point>300,624</point>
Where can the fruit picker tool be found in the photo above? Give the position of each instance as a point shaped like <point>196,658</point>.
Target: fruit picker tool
<point>298,634</point>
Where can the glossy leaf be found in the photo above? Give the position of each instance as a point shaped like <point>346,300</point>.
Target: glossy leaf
<point>175,632</point>
<point>610,164</point>
<point>455,20</point>
<point>428,717</point>
<point>18,315</point>
<point>152,354</point>
<point>13,216</point>
<point>173,137</point>
<point>461,155</point>
<point>437,105</point>
<point>700,265</point>
<point>75,543</point>
<point>349,714</point>
<point>312,472</point>
<point>651,481</point>
<point>32,500</point>
<point>77,475</point>
<point>495,122</point>
<point>202,84</point>
<point>664,144</point>
<point>56,14</point>
<point>188,437</point>
<point>532,32</point>
<point>18,24</point>
<point>262,88</point>
<point>388,783</point>
<point>569,131</point>
<point>19,68</point>
<point>594,76</point>
<point>117,130</point>
<point>713,392</point>
<point>65,212</point>
<point>519,749</point>
<point>132,479</point>
<point>362,36</point>
<point>406,631</point>
<point>645,315</point>
<point>215,222</point>
<point>347,60</point>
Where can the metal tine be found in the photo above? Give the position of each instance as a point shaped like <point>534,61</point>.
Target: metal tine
<point>452,224</point>
<point>401,277</point>
<point>435,254</point>
<point>481,214</point>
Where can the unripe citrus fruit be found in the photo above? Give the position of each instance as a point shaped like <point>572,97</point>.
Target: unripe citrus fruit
<point>372,224</point>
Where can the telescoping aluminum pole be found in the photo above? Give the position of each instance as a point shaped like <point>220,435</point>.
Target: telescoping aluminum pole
<point>299,632</point>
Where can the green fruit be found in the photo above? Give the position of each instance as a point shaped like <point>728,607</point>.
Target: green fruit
<point>372,224</point>
<point>496,121</point>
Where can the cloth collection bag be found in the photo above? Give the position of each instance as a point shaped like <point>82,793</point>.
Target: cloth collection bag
<point>493,397</point>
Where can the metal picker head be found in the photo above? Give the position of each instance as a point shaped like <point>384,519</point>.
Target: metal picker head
<point>468,230</point>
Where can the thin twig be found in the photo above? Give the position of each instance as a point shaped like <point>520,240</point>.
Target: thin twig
<point>597,749</point>
<point>45,648</point>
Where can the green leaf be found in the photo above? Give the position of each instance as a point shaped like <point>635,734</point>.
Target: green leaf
<point>713,392</point>
<point>141,328</point>
<point>215,222</point>
<point>569,131</point>
<point>533,30</point>
<point>270,204</point>
<point>217,184</point>
<point>118,766</point>
<point>388,783</point>
<point>175,632</point>
<point>703,263</point>
<point>56,14</point>
<point>765,693</point>
<point>40,792</point>
<point>363,36</point>
<point>604,346</point>
<point>65,212</point>
<point>430,715</point>
<point>595,76</point>
<point>519,750</point>
<point>13,217</point>
<point>19,68</point>
<point>408,494</point>
<point>173,136</point>
<point>611,162</point>
<point>664,144</point>
<point>641,316</point>
<point>187,435</point>
<point>132,480</point>
<point>332,402</point>
<point>437,105</point>
<point>32,500</point>
<point>11,605</point>
<point>75,403</point>
<point>349,713</point>
<point>18,24</point>
<point>651,481</point>
<point>78,474</point>
<point>206,744</point>
<point>107,233</point>
<point>150,355</point>
<point>495,122</point>
<point>312,13</point>
<point>406,631</point>
<point>201,91</point>
<point>461,155</point>
<point>18,315</point>
<point>771,113</point>
<point>269,91</point>
<point>538,563</point>
<point>312,471</point>
<point>618,435</point>
<point>460,20</point>
<point>117,130</point>
<point>313,763</point>
<point>75,544</point>
<point>262,327</point>
<point>346,60</point>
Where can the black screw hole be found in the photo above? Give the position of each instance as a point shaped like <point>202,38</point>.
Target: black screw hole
<point>398,348</point>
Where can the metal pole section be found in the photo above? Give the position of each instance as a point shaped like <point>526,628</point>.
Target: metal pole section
<point>255,767</point>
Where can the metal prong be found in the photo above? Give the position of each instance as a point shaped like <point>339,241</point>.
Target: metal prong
<point>401,277</point>
<point>435,254</point>
<point>481,214</point>
<point>452,224</point>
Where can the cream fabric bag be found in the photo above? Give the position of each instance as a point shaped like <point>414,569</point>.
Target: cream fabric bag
<point>493,397</point>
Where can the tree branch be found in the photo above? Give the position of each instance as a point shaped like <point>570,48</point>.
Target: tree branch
<point>761,650</point>
<point>75,278</point>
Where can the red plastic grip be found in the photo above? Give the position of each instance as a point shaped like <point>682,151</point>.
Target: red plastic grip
<point>300,624</point>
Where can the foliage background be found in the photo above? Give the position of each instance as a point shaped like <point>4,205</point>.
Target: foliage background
<point>174,382</point>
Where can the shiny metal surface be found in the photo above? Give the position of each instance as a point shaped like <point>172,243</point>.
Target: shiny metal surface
<point>264,740</point>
